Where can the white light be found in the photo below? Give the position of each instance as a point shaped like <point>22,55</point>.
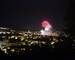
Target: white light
<point>0,32</point>
<point>32,42</point>
<point>43,42</point>
<point>47,29</point>
<point>12,36</point>
<point>8,32</point>
<point>46,32</point>
<point>5,50</point>
<point>52,43</point>
<point>16,37</point>
<point>42,32</point>
<point>22,38</point>
<point>12,50</point>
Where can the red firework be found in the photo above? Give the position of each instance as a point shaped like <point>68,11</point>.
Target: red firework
<point>45,24</point>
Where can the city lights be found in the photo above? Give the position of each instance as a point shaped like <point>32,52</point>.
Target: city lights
<point>26,40</point>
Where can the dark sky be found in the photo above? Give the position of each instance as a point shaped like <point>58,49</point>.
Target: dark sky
<point>29,13</point>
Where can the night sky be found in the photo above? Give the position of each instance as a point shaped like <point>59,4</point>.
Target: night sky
<point>29,13</point>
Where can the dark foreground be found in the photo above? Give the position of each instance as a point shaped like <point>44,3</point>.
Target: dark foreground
<point>44,53</point>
